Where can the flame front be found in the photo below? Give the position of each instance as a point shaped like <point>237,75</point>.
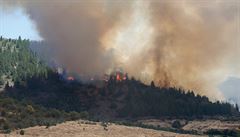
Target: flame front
<point>70,78</point>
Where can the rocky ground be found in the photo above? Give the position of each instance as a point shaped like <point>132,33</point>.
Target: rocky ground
<point>91,129</point>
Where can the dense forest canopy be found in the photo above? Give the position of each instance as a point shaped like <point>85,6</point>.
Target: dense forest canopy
<point>18,62</point>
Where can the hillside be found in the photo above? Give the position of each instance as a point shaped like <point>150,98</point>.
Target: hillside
<point>18,62</point>
<point>40,95</point>
<point>16,114</point>
<point>113,100</point>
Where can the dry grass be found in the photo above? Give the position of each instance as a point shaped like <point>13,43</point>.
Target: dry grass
<point>205,125</point>
<point>85,129</point>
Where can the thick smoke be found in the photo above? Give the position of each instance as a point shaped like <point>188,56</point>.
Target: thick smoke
<point>195,43</point>
<point>74,29</point>
<point>189,44</point>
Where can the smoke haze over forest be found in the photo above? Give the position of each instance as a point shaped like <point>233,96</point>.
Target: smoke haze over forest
<point>189,44</point>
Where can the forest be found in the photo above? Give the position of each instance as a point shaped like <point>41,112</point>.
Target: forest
<point>17,62</point>
<point>38,90</point>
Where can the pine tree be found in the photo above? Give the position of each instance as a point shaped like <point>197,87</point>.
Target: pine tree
<point>152,84</point>
<point>19,38</point>
<point>237,108</point>
<point>22,64</point>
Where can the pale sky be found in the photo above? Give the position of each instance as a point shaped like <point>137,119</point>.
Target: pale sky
<point>16,23</point>
<point>231,89</point>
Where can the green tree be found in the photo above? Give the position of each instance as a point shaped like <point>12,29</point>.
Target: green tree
<point>237,108</point>
<point>18,62</point>
<point>152,84</point>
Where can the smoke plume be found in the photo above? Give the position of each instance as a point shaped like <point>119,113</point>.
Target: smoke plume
<point>189,44</point>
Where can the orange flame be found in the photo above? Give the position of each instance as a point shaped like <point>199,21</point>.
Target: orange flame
<point>70,78</point>
<point>124,78</point>
<point>118,77</point>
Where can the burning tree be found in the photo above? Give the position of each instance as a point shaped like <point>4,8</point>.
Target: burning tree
<point>118,76</point>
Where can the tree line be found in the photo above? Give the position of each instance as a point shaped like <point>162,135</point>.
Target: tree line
<point>18,62</point>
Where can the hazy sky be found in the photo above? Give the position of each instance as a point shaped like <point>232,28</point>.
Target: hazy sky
<point>231,89</point>
<point>16,23</point>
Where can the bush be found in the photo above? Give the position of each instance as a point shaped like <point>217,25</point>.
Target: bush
<point>74,115</point>
<point>84,114</point>
<point>7,131</point>
<point>30,109</point>
<point>104,124</point>
<point>176,124</point>
<point>6,126</point>
<point>22,132</point>
<point>47,125</point>
<point>3,113</point>
<point>225,132</point>
<point>53,113</point>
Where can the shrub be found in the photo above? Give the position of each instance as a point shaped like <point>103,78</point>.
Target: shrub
<point>22,132</point>
<point>104,124</point>
<point>105,128</point>
<point>47,125</point>
<point>3,113</point>
<point>74,115</point>
<point>7,131</point>
<point>225,132</point>
<point>6,126</point>
<point>54,113</point>
<point>30,109</point>
<point>176,124</point>
<point>84,114</point>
